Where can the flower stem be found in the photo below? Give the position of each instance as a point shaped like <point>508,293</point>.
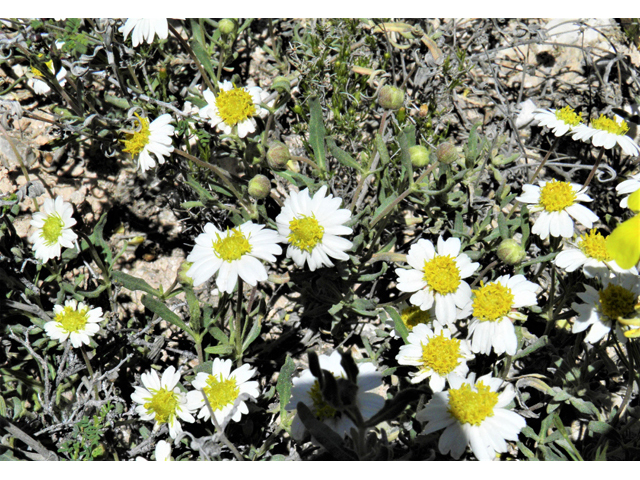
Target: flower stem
<point>186,46</point>
<point>553,147</point>
<point>90,370</point>
<point>220,431</point>
<point>593,170</point>
<point>238,324</point>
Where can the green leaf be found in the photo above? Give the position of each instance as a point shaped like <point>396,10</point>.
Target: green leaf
<point>401,328</point>
<point>219,335</point>
<point>539,343</point>
<point>405,156</point>
<point>342,156</point>
<point>382,149</point>
<point>98,240</point>
<point>134,283</point>
<point>201,53</point>
<point>410,133</point>
<point>324,435</point>
<point>283,386</point>
<point>219,350</point>
<point>502,226</point>
<point>194,309</point>
<point>392,408</point>
<point>160,309</point>
<point>295,178</point>
<point>601,428</point>
<point>317,133</point>
<point>253,333</point>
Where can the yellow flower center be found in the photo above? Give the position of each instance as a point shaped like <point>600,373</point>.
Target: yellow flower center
<point>610,125</point>
<point>233,246</point>
<point>593,245</point>
<point>72,320</point>
<point>221,392</point>
<point>306,232</point>
<point>441,354</point>
<point>163,403</point>
<point>135,143</point>
<point>492,302</point>
<point>321,409</point>
<point>569,116</point>
<point>472,407</point>
<point>442,274</point>
<point>52,229</point>
<point>413,316</point>
<point>235,106</point>
<point>556,196</point>
<point>616,301</point>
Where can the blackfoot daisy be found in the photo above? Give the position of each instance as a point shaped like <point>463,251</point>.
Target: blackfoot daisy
<point>495,307</point>
<point>628,186</point>
<point>312,227</point>
<point>226,391</point>
<point>233,108</point>
<point>306,389</point>
<point>472,413</point>
<point>152,138</point>
<point>163,452</point>
<point>41,87</point>
<point>161,400</point>
<point>435,354</point>
<point>145,29</point>
<point>557,203</point>
<point>233,253</point>
<point>607,132</point>
<point>559,121</point>
<point>437,277</point>
<point>53,229</point>
<point>75,321</point>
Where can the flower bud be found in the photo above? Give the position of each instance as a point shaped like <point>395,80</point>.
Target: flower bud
<point>227,26</point>
<point>446,153</point>
<point>419,156</point>
<point>183,278</point>
<point>278,156</point>
<point>259,187</point>
<point>511,252</point>
<point>391,98</point>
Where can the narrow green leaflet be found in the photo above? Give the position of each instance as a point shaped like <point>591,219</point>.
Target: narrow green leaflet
<point>316,133</point>
<point>283,386</point>
<point>159,308</point>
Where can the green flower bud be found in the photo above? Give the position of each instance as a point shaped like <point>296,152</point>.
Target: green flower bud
<point>446,153</point>
<point>391,98</point>
<point>227,26</point>
<point>278,156</point>
<point>511,252</point>
<point>183,278</point>
<point>419,156</point>
<point>281,84</point>
<point>259,187</point>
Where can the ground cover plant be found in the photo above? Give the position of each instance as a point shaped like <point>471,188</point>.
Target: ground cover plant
<point>312,239</point>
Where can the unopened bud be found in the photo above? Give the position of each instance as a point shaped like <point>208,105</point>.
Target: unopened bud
<point>259,187</point>
<point>183,278</point>
<point>511,252</point>
<point>419,156</point>
<point>391,98</point>
<point>278,156</point>
<point>227,26</point>
<point>446,153</point>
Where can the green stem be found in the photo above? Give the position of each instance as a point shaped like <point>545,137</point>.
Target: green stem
<point>90,370</point>
<point>193,56</point>
<point>238,324</point>
<point>553,147</point>
<point>223,437</point>
<point>593,170</point>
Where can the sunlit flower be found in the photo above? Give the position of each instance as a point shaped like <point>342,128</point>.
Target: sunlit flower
<point>628,186</point>
<point>152,138</point>
<point>624,243</point>
<point>312,227</point>
<point>41,87</point>
<point>606,132</point>
<point>163,401</point>
<point>306,389</point>
<point>436,355</point>
<point>437,277</point>
<point>559,121</point>
<point>233,107</point>
<point>226,391</point>
<point>145,29</point>
<point>53,229</point>
<point>472,413</point>
<point>233,253</point>
<point>601,308</point>
<point>495,307</point>
<point>163,452</point>
<point>557,202</point>
<point>591,255</point>
<point>75,321</point>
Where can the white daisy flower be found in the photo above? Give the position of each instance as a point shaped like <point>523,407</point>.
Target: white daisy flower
<point>557,202</point>
<point>436,355</point>
<point>494,311</point>
<point>437,277</point>
<point>226,391</point>
<point>591,255</point>
<point>602,308</point>
<point>75,321</point>
<point>559,121</point>
<point>306,389</point>
<point>233,107</point>
<point>41,87</point>
<point>163,452</point>
<point>312,227</point>
<point>233,253</point>
<point>163,401</point>
<point>53,229</point>
<point>152,138</point>
<point>628,186</point>
<point>145,29</point>
<point>472,413</point>
<point>607,132</point>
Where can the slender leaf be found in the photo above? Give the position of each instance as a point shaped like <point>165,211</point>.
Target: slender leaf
<point>382,149</point>
<point>159,308</point>
<point>342,156</point>
<point>253,333</point>
<point>324,435</point>
<point>317,133</point>
<point>134,283</point>
<point>401,328</point>
<point>283,385</point>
